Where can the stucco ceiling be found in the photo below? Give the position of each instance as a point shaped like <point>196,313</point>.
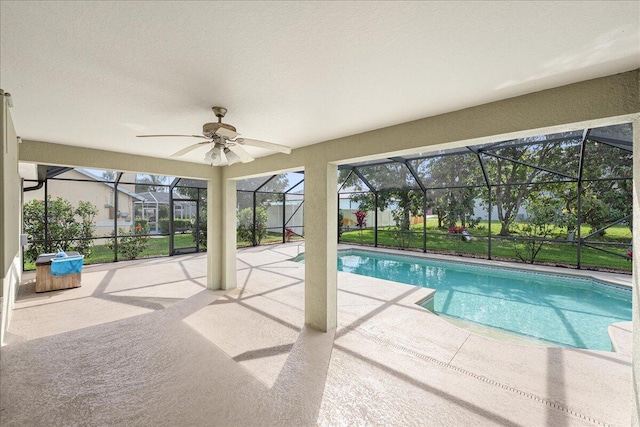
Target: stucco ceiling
<point>96,74</point>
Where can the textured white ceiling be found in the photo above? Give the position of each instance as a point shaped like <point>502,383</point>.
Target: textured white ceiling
<point>95,74</point>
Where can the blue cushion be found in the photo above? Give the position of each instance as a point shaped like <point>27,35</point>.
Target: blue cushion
<point>67,265</point>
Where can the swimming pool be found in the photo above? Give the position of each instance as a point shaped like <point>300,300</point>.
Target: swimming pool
<point>563,310</point>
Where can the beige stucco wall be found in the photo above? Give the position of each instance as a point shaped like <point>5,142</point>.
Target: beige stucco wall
<point>10,195</point>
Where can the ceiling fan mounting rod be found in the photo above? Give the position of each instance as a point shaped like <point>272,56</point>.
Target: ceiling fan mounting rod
<point>219,112</point>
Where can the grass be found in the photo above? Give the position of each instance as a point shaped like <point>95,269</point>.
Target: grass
<point>556,253</point>
<point>156,246</point>
<point>617,233</point>
<point>269,238</point>
<point>437,240</point>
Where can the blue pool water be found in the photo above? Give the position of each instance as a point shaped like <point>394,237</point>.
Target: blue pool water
<point>565,310</point>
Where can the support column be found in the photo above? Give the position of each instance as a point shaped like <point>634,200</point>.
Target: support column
<point>221,232</point>
<point>214,233</point>
<point>636,264</point>
<point>214,230</point>
<point>229,239</point>
<point>321,236</point>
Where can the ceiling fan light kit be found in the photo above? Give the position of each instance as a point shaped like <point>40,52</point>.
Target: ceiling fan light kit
<point>231,157</point>
<point>226,146</point>
<point>214,156</point>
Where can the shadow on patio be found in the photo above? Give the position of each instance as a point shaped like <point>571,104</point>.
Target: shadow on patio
<point>143,343</point>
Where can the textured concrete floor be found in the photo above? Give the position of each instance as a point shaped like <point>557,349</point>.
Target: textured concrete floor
<point>143,343</point>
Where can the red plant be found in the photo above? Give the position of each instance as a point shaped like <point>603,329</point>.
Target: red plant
<point>360,218</point>
<point>288,234</point>
<point>457,229</point>
<point>138,228</point>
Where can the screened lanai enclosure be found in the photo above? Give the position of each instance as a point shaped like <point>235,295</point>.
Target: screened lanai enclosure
<point>563,199</point>
<point>109,215</point>
<point>270,209</point>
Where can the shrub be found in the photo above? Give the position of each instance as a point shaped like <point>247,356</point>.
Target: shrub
<point>163,225</point>
<point>541,223</point>
<point>245,225</point>
<point>288,234</point>
<point>182,225</point>
<point>163,212</point>
<point>201,238</point>
<point>63,231</point>
<point>360,219</point>
<point>87,212</point>
<point>596,213</point>
<point>131,243</point>
<point>178,225</point>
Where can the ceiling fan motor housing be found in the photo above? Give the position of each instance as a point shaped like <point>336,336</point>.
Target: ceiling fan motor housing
<point>209,129</point>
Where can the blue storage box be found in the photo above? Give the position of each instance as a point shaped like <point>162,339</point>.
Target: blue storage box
<point>67,265</point>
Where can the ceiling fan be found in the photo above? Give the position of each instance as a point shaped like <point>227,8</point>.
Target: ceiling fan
<point>225,144</point>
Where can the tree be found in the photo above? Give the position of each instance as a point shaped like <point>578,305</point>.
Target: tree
<point>270,189</point>
<point>595,212</point>
<point>541,222</point>
<point>397,189</point>
<point>453,205</point>
<point>606,187</point>
<point>192,193</point>
<point>151,183</point>
<point>511,177</point>
<point>246,225</point>
<point>87,212</point>
<point>109,176</point>
<point>63,228</point>
<point>459,177</point>
<point>609,199</point>
<point>201,229</point>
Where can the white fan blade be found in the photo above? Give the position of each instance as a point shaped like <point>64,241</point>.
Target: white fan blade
<point>186,136</point>
<point>264,144</point>
<point>241,152</point>
<point>188,149</point>
<point>222,131</point>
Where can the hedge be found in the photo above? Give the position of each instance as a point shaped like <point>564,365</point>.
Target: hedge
<point>178,225</point>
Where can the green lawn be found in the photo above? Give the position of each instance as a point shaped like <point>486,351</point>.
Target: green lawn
<point>437,240</point>
<point>269,238</point>
<point>617,233</point>
<point>556,253</point>
<point>156,246</point>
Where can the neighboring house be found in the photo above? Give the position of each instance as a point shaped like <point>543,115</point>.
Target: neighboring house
<point>94,190</point>
<point>154,205</point>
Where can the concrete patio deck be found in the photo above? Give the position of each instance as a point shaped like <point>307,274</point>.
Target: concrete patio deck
<point>144,343</point>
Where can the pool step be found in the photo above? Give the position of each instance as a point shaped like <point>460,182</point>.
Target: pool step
<point>621,336</point>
